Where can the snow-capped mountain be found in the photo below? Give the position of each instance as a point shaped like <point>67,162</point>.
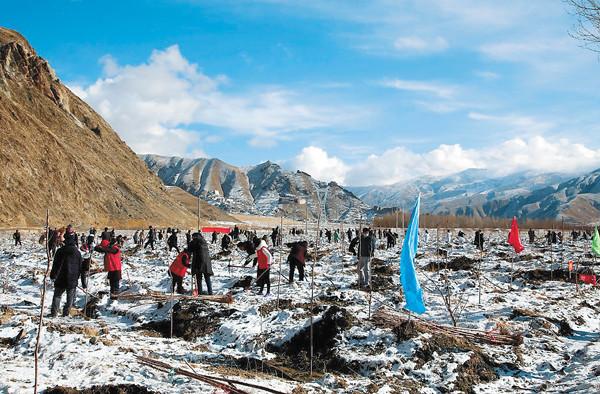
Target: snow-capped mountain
<point>478,193</point>
<point>575,200</point>
<point>440,193</point>
<point>263,189</point>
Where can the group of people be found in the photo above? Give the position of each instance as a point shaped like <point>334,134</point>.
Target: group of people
<point>69,266</point>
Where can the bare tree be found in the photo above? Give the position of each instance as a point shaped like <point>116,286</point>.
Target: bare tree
<point>587,28</point>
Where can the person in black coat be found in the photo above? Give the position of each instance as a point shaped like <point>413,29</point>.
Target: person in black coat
<point>66,271</point>
<point>366,249</point>
<point>201,264</point>
<point>151,238</point>
<point>478,241</point>
<point>17,238</point>
<point>297,259</point>
<point>172,241</point>
<point>225,242</point>
<point>105,234</point>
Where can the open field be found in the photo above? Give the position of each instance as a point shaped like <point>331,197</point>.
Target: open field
<point>258,340</point>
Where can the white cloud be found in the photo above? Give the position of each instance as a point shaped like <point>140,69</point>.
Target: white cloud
<point>437,89</point>
<point>535,154</point>
<point>489,75</point>
<point>515,123</point>
<point>316,162</point>
<point>155,105</point>
<point>418,44</point>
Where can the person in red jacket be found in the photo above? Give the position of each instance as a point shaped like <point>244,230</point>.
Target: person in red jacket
<point>178,269</point>
<point>264,257</point>
<point>112,263</point>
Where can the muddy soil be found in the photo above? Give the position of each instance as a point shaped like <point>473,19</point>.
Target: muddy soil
<point>539,275</point>
<point>480,368</point>
<point>326,332</point>
<point>106,389</point>
<point>382,273</point>
<point>462,263</point>
<point>244,282</point>
<point>564,328</point>
<point>191,320</point>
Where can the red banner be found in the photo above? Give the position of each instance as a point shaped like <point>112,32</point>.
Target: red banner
<point>222,230</point>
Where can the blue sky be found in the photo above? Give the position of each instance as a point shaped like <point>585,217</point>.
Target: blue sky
<point>358,92</point>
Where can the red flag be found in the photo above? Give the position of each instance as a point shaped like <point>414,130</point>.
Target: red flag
<point>513,236</point>
<point>588,278</point>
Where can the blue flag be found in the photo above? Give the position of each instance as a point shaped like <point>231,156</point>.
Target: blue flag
<point>410,284</point>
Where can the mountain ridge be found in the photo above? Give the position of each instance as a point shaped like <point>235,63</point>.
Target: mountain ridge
<point>265,188</point>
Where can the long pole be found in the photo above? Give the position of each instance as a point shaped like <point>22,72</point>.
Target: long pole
<point>172,297</point>
<point>370,282</point>
<point>306,219</point>
<point>341,238</point>
<point>42,302</point>
<point>552,253</point>
<point>86,276</point>
<point>403,233</point>
<point>437,247</point>
<point>192,275</point>
<point>479,242</point>
<point>280,235</point>
<point>512,269</point>
<point>312,289</point>
<point>562,244</point>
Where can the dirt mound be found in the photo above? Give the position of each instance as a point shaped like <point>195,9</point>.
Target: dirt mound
<point>191,320</point>
<point>244,282</point>
<point>539,275</point>
<point>284,303</point>
<point>382,274</point>
<point>405,330</point>
<point>462,263</point>
<point>564,328</point>
<point>296,351</point>
<point>107,389</point>
<point>478,369</point>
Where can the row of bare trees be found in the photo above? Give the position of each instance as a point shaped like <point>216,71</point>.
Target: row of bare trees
<point>393,220</point>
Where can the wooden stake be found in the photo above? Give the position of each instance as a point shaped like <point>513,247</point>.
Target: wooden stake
<point>512,269</point>
<point>479,270</point>
<point>172,300</point>
<point>552,253</point>
<point>312,290</point>
<point>280,238</point>
<point>370,287</point>
<point>42,303</point>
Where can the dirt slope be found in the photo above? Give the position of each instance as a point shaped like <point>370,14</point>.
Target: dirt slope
<point>57,152</point>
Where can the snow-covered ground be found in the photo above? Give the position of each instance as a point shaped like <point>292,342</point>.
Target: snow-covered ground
<point>80,352</point>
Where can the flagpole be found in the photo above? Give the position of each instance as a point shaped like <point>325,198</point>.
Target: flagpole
<point>552,253</point>
<point>479,242</point>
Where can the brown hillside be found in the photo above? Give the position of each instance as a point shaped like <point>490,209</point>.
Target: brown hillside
<point>56,152</point>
